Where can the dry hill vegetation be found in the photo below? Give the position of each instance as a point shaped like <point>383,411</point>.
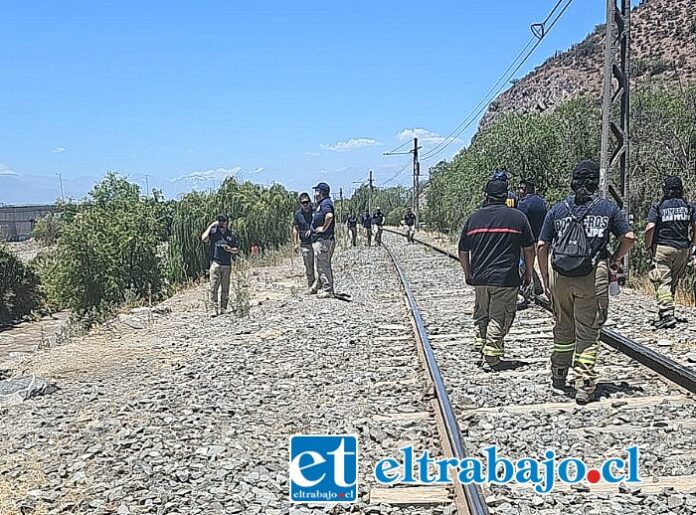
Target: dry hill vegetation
<point>663,45</point>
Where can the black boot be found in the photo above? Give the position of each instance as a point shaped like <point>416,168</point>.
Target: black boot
<point>558,379</point>
<point>666,322</point>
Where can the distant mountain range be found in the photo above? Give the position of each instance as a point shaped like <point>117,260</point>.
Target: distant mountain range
<point>663,44</point>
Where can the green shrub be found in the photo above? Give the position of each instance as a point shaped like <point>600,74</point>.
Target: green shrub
<point>546,147</point>
<point>47,229</point>
<point>107,246</point>
<point>20,292</point>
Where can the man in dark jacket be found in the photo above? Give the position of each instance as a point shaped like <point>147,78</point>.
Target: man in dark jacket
<point>367,225</point>
<point>534,208</point>
<point>352,224</point>
<point>323,241</point>
<point>489,251</point>
<point>378,221</point>
<point>223,250</point>
<point>302,238</point>
<point>410,224</point>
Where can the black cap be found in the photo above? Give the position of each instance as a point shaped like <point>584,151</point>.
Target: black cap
<point>673,182</point>
<point>496,189</point>
<point>222,218</point>
<point>586,169</point>
<point>304,196</point>
<point>323,187</point>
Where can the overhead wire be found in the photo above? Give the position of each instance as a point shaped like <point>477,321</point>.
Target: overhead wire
<point>511,70</point>
<point>394,151</point>
<point>397,174</point>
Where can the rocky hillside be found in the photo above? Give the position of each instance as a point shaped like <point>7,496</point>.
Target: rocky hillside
<point>663,45</point>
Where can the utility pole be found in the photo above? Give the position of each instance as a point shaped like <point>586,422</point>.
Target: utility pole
<point>617,32</point>
<point>416,175</point>
<point>62,191</point>
<point>369,198</point>
<point>147,185</point>
<point>340,196</point>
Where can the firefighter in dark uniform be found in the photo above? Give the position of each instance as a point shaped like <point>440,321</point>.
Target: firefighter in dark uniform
<point>489,252</point>
<point>671,237</point>
<point>577,232</point>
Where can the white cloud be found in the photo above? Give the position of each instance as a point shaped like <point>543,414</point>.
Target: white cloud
<point>57,150</point>
<point>351,144</point>
<point>6,170</point>
<point>218,174</point>
<point>424,136</point>
<point>310,153</point>
<point>190,150</point>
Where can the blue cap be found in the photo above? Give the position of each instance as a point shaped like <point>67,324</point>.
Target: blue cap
<point>323,187</point>
<point>500,175</point>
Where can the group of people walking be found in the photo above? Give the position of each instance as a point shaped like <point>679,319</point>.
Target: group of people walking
<point>571,244</point>
<point>498,248</point>
<point>368,222</point>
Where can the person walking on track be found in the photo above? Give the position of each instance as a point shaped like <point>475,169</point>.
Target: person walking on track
<point>534,208</point>
<point>378,221</point>
<point>367,225</point>
<point>323,243</point>
<point>302,239</point>
<point>489,252</point>
<point>223,250</point>
<point>667,237</point>
<point>352,224</point>
<point>576,232</point>
<point>410,224</point>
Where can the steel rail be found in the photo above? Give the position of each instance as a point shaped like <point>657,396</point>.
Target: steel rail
<point>474,495</point>
<point>659,363</point>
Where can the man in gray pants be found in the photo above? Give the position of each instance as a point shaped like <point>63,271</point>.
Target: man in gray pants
<point>302,238</point>
<point>323,242</point>
<point>223,249</point>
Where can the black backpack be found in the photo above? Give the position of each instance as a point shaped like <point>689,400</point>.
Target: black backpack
<point>572,252</point>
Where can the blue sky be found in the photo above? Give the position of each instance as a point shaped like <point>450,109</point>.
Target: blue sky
<point>274,91</point>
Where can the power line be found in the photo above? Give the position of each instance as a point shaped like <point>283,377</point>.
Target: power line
<point>516,64</point>
<point>483,102</point>
<point>398,173</point>
<point>394,152</point>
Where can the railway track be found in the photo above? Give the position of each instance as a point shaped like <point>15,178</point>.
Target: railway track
<point>645,401</point>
